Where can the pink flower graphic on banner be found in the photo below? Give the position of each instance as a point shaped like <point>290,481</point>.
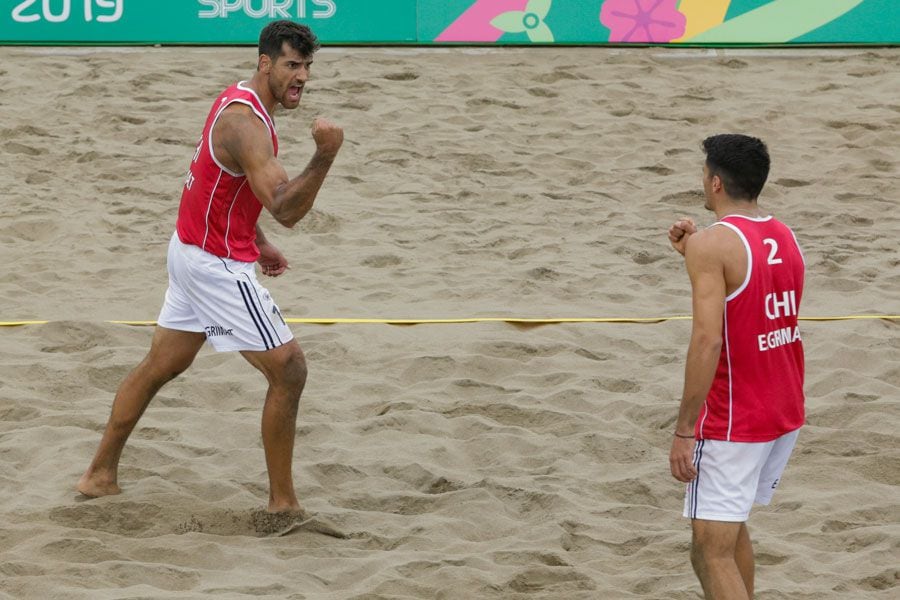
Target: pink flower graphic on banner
<point>642,20</point>
<point>474,25</point>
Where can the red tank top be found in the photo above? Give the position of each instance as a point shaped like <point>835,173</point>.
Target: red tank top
<point>218,210</point>
<point>757,393</point>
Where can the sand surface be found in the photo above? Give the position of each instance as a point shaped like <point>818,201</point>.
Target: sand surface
<point>480,460</point>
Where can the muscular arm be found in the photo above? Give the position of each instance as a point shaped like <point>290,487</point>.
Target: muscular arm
<point>703,258</point>
<point>707,273</point>
<point>241,139</point>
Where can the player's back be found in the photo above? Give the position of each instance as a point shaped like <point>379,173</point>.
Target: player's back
<point>757,394</point>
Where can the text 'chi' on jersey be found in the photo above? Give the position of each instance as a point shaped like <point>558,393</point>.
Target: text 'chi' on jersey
<point>757,393</point>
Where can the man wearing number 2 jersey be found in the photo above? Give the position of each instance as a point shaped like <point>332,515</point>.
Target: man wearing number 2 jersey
<point>743,402</point>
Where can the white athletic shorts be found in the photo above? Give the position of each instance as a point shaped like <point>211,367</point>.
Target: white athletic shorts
<point>221,298</point>
<point>731,476</point>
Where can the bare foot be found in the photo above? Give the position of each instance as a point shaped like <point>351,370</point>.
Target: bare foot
<point>293,509</point>
<point>94,486</point>
<point>269,524</point>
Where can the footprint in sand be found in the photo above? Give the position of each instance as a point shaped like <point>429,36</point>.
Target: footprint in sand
<point>792,183</point>
<point>556,581</point>
<point>79,551</point>
<point>657,169</point>
<point>402,76</point>
<point>542,92</point>
<point>256,523</point>
<point>687,198</point>
<point>17,148</point>
<point>143,519</point>
<point>380,261</point>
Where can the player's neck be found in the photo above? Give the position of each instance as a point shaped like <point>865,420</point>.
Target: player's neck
<point>258,84</point>
<point>729,208</point>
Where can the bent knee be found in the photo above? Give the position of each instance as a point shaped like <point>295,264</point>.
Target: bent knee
<point>293,369</point>
<point>160,370</point>
<point>167,373</point>
<point>296,369</point>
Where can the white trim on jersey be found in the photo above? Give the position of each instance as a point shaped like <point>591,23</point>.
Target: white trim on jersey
<point>267,118</point>
<point>754,219</point>
<point>703,418</point>
<point>210,140</point>
<point>730,388</point>
<point>729,298</point>
<point>269,127</point>
<point>267,121</point>
<point>228,221</point>
<point>730,378</point>
<point>746,282</point>
<point>209,204</point>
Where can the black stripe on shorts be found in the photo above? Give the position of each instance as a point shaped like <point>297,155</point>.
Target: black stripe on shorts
<point>272,328</point>
<point>695,484</point>
<point>254,313</point>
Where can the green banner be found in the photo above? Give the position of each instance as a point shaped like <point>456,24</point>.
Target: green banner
<point>510,22</point>
<point>202,21</point>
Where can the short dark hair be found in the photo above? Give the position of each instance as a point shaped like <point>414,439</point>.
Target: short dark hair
<point>741,162</point>
<point>300,37</point>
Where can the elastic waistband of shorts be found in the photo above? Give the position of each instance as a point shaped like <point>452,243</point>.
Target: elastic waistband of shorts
<point>199,255</point>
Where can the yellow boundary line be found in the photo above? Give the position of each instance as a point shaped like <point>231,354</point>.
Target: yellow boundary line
<point>512,320</point>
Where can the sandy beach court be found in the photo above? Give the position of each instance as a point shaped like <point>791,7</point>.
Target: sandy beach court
<point>478,460</point>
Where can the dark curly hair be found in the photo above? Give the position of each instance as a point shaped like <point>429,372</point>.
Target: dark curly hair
<point>741,162</point>
<point>300,37</point>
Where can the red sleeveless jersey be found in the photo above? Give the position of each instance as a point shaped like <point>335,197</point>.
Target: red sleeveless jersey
<point>757,393</point>
<point>218,210</point>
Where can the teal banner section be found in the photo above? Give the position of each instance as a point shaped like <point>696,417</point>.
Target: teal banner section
<point>509,22</point>
<point>202,21</point>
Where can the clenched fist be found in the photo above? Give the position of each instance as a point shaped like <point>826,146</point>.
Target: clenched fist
<point>679,233</point>
<point>328,136</point>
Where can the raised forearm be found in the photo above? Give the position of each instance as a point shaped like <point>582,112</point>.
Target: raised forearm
<point>295,198</point>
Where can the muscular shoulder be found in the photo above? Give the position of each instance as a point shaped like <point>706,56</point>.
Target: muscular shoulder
<point>717,249</point>
<point>240,135</point>
<point>706,243</point>
<point>238,121</point>
<point>715,239</point>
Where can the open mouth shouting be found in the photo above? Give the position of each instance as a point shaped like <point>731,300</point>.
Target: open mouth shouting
<point>293,93</point>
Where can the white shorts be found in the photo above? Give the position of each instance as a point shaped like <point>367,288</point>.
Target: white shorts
<point>221,298</point>
<point>731,476</point>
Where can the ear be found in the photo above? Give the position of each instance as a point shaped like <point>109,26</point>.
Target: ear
<point>264,64</point>
<point>716,183</point>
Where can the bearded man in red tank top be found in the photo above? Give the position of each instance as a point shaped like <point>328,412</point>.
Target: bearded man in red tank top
<point>743,401</point>
<point>213,292</point>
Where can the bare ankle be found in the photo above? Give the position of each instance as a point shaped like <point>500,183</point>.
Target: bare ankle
<point>285,507</point>
<point>95,484</point>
